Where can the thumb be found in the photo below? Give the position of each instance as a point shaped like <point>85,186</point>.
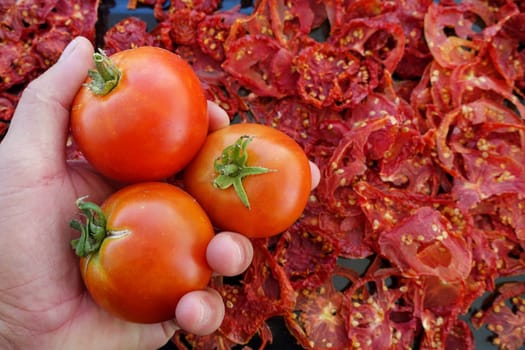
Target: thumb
<point>41,119</point>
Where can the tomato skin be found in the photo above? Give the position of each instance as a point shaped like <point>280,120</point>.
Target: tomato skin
<point>157,255</point>
<point>277,198</point>
<point>150,125</point>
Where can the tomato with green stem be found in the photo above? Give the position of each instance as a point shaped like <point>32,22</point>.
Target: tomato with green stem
<point>141,116</point>
<point>143,249</point>
<point>251,179</point>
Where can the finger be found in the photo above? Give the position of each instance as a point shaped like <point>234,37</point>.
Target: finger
<point>229,253</point>
<point>315,174</point>
<point>218,116</point>
<point>200,312</point>
<point>41,118</point>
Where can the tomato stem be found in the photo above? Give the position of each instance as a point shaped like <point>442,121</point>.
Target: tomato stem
<point>92,231</point>
<point>231,168</point>
<point>106,75</point>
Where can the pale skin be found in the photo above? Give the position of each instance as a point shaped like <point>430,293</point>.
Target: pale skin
<point>43,302</point>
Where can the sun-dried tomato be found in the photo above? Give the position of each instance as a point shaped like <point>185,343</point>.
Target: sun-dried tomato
<point>446,333</point>
<point>215,341</point>
<point>450,34</point>
<point>262,65</point>
<point>479,144</point>
<point>126,34</point>
<point>307,260</point>
<point>297,119</point>
<point>265,292</point>
<point>346,80</point>
<point>505,316</point>
<point>380,312</point>
<point>481,80</point>
<point>213,31</point>
<point>258,22</point>
<point>48,47</point>
<point>498,246</point>
<point>282,21</point>
<point>425,244</point>
<point>291,19</point>
<point>504,52</point>
<point>416,55</point>
<point>372,38</point>
<point>17,64</point>
<point>318,320</point>
<point>183,25</point>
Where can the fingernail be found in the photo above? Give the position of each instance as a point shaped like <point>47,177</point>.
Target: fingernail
<point>69,49</point>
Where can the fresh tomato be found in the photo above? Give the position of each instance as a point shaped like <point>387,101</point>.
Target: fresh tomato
<point>143,249</point>
<point>251,179</point>
<point>141,116</point>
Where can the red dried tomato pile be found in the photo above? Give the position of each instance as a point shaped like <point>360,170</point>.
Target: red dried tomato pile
<point>413,112</point>
<point>33,34</point>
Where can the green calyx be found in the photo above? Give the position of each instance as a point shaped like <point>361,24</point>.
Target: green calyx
<point>232,168</point>
<point>92,231</point>
<point>106,75</point>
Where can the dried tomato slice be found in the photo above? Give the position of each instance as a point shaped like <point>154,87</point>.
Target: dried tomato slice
<point>308,260</point>
<point>380,312</point>
<point>475,144</point>
<point>318,320</point>
<point>372,38</point>
<point>297,119</point>
<point>215,341</point>
<point>504,52</point>
<point>48,46</point>
<point>17,65</point>
<point>498,222</point>
<point>295,18</point>
<point>265,292</point>
<point>449,31</point>
<point>446,333</point>
<point>424,244</point>
<point>416,55</point>
<point>346,80</point>
<point>213,31</point>
<point>183,25</point>
<point>505,316</point>
<point>261,65</point>
<point>128,33</point>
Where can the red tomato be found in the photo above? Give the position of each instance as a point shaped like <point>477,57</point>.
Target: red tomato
<point>151,252</point>
<point>277,184</point>
<point>151,123</point>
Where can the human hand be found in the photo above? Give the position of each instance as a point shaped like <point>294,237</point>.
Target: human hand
<point>43,302</point>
